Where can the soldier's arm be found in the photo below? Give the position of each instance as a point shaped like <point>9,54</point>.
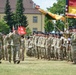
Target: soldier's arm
<point>20,40</point>
<point>2,40</point>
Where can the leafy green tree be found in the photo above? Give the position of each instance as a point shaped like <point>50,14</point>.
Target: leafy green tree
<point>28,31</point>
<point>20,18</point>
<point>48,25</point>
<point>8,15</point>
<point>4,28</point>
<point>59,8</point>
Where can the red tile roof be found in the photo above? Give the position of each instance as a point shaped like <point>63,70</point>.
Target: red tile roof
<point>28,5</point>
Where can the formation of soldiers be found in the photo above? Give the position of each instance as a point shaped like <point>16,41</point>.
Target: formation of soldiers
<point>52,46</point>
<point>12,47</point>
<point>40,45</point>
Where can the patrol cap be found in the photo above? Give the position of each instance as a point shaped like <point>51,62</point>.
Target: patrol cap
<point>15,28</point>
<point>74,27</point>
<point>70,27</point>
<point>44,33</point>
<point>39,32</point>
<point>57,33</point>
<point>50,33</point>
<point>36,32</point>
<point>61,34</point>
<point>47,33</point>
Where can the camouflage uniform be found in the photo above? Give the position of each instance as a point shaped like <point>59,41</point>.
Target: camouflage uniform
<point>16,46</point>
<point>49,48</point>
<point>39,45</point>
<point>68,49</point>
<point>8,50</point>
<point>5,48</point>
<point>42,45</point>
<point>33,39</point>
<point>1,46</point>
<point>53,47</point>
<point>30,46</point>
<point>35,43</point>
<point>58,48</point>
<point>22,47</point>
<point>62,48</point>
<point>36,46</point>
<point>47,45</point>
<point>73,41</point>
<point>26,45</point>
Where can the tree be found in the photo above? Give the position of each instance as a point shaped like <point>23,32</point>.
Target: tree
<point>57,8</point>
<point>20,18</point>
<point>48,25</point>
<point>28,31</point>
<point>4,28</point>
<point>8,15</point>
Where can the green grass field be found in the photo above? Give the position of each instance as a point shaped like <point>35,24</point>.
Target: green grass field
<point>33,66</point>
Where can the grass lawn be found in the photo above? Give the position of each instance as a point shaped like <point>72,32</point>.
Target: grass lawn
<point>33,66</point>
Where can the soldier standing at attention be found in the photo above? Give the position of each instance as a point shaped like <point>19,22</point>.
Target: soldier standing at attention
<point>53,46</point>
<point>73,42</point>
<point>58,47</point>
<point>39,43</point>
<point>33,39</point>
<point>22,47</point>
<point>30,46</point>
<point>1,46</point>
<point>42,46</point>
<point>47,47</point>
<point>49,40</point>
<point>62,47</point>
<point>69,48</point>
<point>5,47</point>
<point>9,52</point>
<point>35,43</point>
<point>16,38</point>
<point>37,50</point>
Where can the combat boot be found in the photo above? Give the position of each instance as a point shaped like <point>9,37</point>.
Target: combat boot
<point>18,61</point>
<point>0,62</point>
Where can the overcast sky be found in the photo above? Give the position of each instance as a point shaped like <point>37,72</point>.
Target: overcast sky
<point>44,3</point>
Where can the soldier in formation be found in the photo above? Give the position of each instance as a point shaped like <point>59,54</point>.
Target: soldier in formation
<point>1,46</point>
<point>12,46</point>
<point>73,42</point>
<point>22,47</point>
<point>16,38</point>
<point>8,48</point>
<point>52,46</point>
<point>40,45</point>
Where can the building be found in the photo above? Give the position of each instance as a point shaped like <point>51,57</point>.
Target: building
<point>34,17</point>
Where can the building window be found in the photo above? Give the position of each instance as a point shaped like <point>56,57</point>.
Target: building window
<point>34,29</point>
<point>35,19</point>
